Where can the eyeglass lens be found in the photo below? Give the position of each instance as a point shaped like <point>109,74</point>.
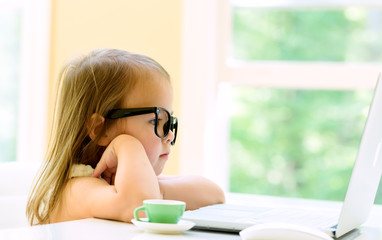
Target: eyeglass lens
<point>163,123</point>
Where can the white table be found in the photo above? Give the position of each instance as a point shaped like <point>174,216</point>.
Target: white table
<point>95,229</point>
<point>104,229</point>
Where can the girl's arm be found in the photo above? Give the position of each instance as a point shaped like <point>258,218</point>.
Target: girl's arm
<point>194,190</point>
<point>134,181</point>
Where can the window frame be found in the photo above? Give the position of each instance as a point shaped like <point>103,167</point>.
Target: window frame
<point>208,73</point>
<point>34,70</point>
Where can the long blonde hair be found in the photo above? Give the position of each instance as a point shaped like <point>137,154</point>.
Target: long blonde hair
<point>95,83</point>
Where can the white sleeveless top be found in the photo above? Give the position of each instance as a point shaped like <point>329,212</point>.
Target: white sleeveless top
<point>81,170</point>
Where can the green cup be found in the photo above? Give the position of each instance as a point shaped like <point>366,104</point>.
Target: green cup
<point>161,211</point>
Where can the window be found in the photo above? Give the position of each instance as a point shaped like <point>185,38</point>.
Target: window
<point>10,44</point>
<point>273,82</point>
<point>23,62</point>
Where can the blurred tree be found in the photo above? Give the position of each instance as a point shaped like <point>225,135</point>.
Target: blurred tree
<point>299,143</point>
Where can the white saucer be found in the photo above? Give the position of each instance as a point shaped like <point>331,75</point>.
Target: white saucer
<point>163,228</point>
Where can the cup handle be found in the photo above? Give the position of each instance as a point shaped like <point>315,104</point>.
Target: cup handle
<point>138,209</point>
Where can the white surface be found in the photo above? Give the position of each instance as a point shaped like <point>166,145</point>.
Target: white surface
<point>15,181</point>
<point>163,228</point>
<point>97,229</point>
<point>103,229</point>
<point>277,231</point>
<point>12,211</point>
<point>16,177</point>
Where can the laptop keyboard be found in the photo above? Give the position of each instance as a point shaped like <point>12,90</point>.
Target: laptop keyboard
<point>254,215</point>
<point>293,215</point>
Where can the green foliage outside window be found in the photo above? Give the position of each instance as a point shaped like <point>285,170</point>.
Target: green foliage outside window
<point>10,37</point>
<point>291,142</point>
<point>297,143</point>
<point>350,35</point>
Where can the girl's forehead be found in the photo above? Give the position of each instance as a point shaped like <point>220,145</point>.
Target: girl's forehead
<point>150,92</point>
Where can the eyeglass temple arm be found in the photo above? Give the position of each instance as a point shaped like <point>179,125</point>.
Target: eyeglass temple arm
<point>120,113</point>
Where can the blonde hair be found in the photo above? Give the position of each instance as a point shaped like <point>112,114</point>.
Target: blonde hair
<point>95,83</point>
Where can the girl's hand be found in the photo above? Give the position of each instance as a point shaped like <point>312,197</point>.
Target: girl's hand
<point>107,166</point>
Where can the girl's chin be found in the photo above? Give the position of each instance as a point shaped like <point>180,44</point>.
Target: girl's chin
<point>158,172</point>
<point>159,169</point>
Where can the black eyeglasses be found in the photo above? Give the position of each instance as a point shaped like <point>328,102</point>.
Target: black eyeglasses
<point>164,122</point>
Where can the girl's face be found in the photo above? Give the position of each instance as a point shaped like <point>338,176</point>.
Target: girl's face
<point>151,93</point>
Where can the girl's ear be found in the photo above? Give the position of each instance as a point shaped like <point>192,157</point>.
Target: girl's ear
<point>95,126</point>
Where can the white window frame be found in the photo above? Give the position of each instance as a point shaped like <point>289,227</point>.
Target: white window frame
<point>206,68</point>
<point>34,71</point>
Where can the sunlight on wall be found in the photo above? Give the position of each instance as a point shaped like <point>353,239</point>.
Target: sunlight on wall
<point>149,27</point>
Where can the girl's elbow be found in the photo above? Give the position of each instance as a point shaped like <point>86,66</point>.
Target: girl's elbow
<point>127,215</point>
<point>126,207</point>
<point>217,193</point>
<point>220,196</point>
<point>123,211</point>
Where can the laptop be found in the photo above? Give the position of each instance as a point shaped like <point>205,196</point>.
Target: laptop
<point>356,207</point>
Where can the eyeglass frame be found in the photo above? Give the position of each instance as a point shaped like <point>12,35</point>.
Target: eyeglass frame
<point>129,112</point>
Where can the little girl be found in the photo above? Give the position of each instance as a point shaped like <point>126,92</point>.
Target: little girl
<point>113,130</point>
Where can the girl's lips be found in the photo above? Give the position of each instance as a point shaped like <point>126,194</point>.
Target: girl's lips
<point>165,155</point>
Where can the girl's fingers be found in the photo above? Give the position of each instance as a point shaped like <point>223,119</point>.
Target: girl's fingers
<point>108,158</point>
<point>109,175</point>
<point>100,168</point>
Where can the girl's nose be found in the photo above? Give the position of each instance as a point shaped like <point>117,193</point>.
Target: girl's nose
<point>170,137</point>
